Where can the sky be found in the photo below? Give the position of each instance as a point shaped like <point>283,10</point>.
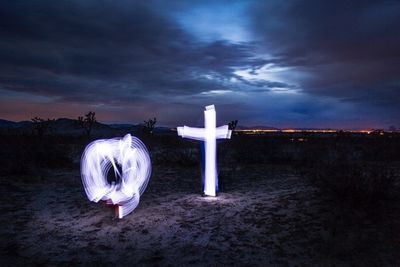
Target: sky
<point>311,64</point>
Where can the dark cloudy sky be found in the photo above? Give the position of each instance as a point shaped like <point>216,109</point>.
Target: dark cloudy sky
<point>278,63</point>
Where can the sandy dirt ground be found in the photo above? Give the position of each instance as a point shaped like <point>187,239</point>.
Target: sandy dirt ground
<point>264,216</point>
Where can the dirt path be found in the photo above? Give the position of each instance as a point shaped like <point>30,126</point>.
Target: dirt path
<point>265,215</point>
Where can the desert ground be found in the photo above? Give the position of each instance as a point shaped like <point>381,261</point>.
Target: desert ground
<point>266,214</point>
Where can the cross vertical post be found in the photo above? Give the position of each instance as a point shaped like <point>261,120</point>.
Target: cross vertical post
<point>208,134</point>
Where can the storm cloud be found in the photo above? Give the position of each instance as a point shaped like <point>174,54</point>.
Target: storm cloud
<point>350,50</point>
<point>286,63</point>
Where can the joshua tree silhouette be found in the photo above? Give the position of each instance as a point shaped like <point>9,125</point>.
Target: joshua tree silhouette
<point>41,126</point>
<point>87,122</point>
<point>232,125</point>
<point>149,125</point>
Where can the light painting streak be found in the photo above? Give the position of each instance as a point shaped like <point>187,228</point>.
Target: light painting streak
<point>131,155</point>
<point>208,134</point>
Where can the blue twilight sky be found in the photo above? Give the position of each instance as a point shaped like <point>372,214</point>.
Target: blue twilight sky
<point>279,63</point>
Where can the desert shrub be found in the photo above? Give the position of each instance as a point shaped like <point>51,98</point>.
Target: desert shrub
<point>25,154</point>
<point>149,126</point>
<point>357,180</point>
<point>348,173</point>
<point>262,149</point>
<point>181,156</point>
<point>87,123</point>
<point>357,184</point>
<point>182,152</point>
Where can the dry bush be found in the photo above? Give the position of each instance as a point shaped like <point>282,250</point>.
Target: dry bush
<point>26,154</point>
<point>171,149</point>
<point>357,184</point>
<point>358,172</point>
<point>246,149</point>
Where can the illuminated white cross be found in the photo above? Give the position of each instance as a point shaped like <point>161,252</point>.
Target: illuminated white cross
<point>208,134</point>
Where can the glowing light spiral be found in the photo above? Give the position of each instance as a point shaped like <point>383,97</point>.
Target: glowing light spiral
<point>132,168</point>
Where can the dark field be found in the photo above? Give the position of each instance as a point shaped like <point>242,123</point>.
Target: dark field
<point>290,200</point>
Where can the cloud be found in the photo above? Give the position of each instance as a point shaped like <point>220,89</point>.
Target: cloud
<point>280,62</point>
<point>109,53</point>
<point>349,49</point>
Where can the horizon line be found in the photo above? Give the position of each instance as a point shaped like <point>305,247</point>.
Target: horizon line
<point>248,127</point>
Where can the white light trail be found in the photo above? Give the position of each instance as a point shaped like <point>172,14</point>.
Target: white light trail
<point>208,134</point>
<point>131,155</point>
